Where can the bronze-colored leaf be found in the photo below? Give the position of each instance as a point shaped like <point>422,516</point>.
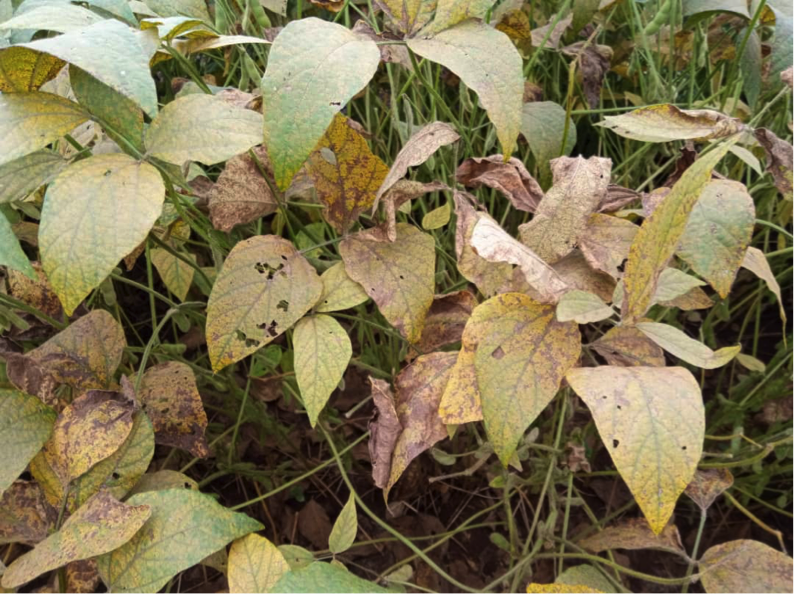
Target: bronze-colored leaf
<point>576,273</point>
<point>25,515</point>
<point>401,192</point>
<point>446,320</point>
<point>626,346</point>
<point>510,178</point>
<point>384,429</point>
<point>37,293</point>
<point>707,485</point>
<point>82,577</point>
<point>605,242</point>
<point>779,155</point>
<point>593,64</point>
<point>635,534</point>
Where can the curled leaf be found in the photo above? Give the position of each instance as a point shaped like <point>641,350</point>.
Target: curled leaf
<point>446,320</point>
<point>605,242</point>
<point>626,346</point>
<point>663,123</point>
<point>755,261</point>
<point>509,177</point>
<point>385,429</point>
<point>780,155</point>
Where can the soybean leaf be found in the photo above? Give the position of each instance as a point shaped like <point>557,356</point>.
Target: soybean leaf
<point>23,69</point>
<point>606,241</point>
<point>707,485</point>
<point>745,566</point>
<point>385,429</point>
<point>185,526</point>
<point>626,346</point>
<point>25,425</point>
<point>319,66</point>
<point>690,350</point>
<point>511,178</point>
<point>437,218</point>
<point>779,157</point>
<point>11,253</point>
<point>160,480</point>
<point>99,526</point>
<point>322,353</point>
<point>339,290</point>
<point>96,212</point>
<point>343,534</point>
<point>586,575</point>
<point>543,127</point>
<point>566,588</point>
<point>663,123</point>
<point>202,128</point>
<point>489,64</point>
<point>61,18</point>
<point>324,577</point>
<point>255,565</point>
<point>37,293</point>
<point>635,534</point>
<point>451,12</point>
<point>31,121</point>
<point>20,177</point>
<point>755,261</point>
<point>25,515</point>
<point>446,320</point>
<point>177,275</point>
<point>189,8</point>
<point>582,307</point>
<point>674,283</point>
<point>694,7</point>
<point>652,423</point>
<point>264,287</point>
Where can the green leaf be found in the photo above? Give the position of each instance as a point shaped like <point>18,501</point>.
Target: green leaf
<point>582,307</point>
<point>343,534</point>
<point>61,18</point>
<point>339,290</point>
<point>255,565</point>
<point>265,286</point>
<point>399,276</point>
<point>586,575</point>
<point>31,121</point>
<point>11,253</point>
<point>657,239</point>
<point>314,69</point>
<point>437,218</point>
<point>663,123</point>
<point>25,425</point>
<point>324,577</point>
<point>745,566</point>
<point>543,126</point>
<point>717,233</point>
<point>782,41</point>
<point>690,350</point>
<point>202,128</point>
<point>98,527</point>
<point>652,423</point>
<point>121,64</point>
<point>489,64</point>
<point>96,212</point>
<point>20,177</point>
<point>185,526</point>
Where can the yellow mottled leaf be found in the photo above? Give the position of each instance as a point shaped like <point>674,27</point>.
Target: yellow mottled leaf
<point>745,566</point>
<point>682,346</point>
<point>339,290</point>
<point>663,123</point>
<point>605,242</point>
<point>652,423</point>
<point>452,12</point>
<point>255,565</point>
<point>23,69</point>
<point>37,293</point>
<point>408,15</point>
<point>25,515</point>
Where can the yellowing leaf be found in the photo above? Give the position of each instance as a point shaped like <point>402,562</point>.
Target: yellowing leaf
<point>755,261</point>
<point>634,534</point>
<point>20,177</point>
<point>658,237</point>
<point>580,185</point>
<point>745,566</point>
<point>11,254</point>
<point>177,274</point>
<point>339,290</point>
<point>717,233</point>
<point>652,423</point>
<point>203,128</point>
<point>663,123</point>
<point>489,64</point>
<point>31,121</point>
<point>582,307</point>
<point>605,242</point>
<point>674,283</point>
<point>99,526</point>
<point>408,15</point>
<point>452,12</point>
<point>585,575</point>
<point>23,69</point>
<point>399,276</point>
<point>343,534</point>
<point>171,399</point>
<point>255,565</point>
<point>322,352</point>
<point>346,174</point>
<point>160,480</point>
<point>25,424</point>
<point>682,346</point>
<point>707,485</point>
<point>185,526</point>
<point>626,346</point>
<point>318,66</point>
<point>563,588</point>
<point>437,218</point>
<point>322,577</point>
<point>265,286</point>
<point>96,212</point>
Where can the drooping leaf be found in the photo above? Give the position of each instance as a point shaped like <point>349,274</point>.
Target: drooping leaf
<point>96,212</point>
<point>416,151</point>
<point>384,430</point>
<point>605,242</point>
<point>511,178</point>
<point>23,69</point>
<point>626,346</point>
<point>31,121</point>
<point>339,290</point>
<point>543,127</point>
<point>185,526</point>
<point>122,63</point>
<point>319,66</point>
<point>322,353</point>
<point>11,254</point>
<point>346,174</point>
<point>82,576</point>
<point>203,128</point>
<point>694,7</point>
<point>663,123</point>
<point>177,275</point>
<point>707,485</point>
<point>25,425</point>
<point>634,534</point>
<point>343,534</point>
<point>582,307</point>
<point>745,566</point>
<point>99,526</point>
<point>255,565</point>
<point>755,261</point>
<point>468,49</point>
<point>20,177</point>
<point>493,244</point>
<point>324,577</point>
<point>170,397</point>
<point>446,320</point>
<point>203,44</point>
<point>25,515</point>
<point>658,237</point>
<point>399,275</point>
<point>579,187</point>
<point>576,273</point>
<point>652,423</point>
<point>397,198</point>
<point>682,346</point>
<point>419,389</point>
<point>779,156</point>
<point>265,286</point>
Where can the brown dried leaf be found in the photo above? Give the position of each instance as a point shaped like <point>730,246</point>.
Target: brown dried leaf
<point>385,429</point>
<point>170,397</point>
<point>242,195</point>
<point>82,576</point>
<point>510,178</point>
<point>635,534</point>
<point>32,378</point>
<point>695,298</point>
<point>25,515</point>
<point>593,63</point>
<point>617,197</point>
<point>625,346</point>
<point>745,566</point>
<point>446,320</point>
<point>707,485</point>
<point>419,390</point>
<point>38,293</point>
<point>314,524</point>
<point>779,155</point>
<point>389,53</point>
<point>554,37</point>
<point>580,185</point>
<point>400,193</point>
<point>576,273</point>
<point>605,242</point>
<point>331,5</point>
<point>787,76</point>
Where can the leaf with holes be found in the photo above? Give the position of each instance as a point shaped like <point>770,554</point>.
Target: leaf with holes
<point>688,349</point>
<point>745,566</point>
<point>265,286</point>
<point>652,423</point>
<point>255,565</point>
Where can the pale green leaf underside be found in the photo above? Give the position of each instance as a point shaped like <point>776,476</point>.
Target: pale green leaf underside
<point>11,253</point>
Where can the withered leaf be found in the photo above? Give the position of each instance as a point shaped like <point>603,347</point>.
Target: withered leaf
<point>779,155</point>
<point>617,197</point>
<point>510,178</point>
<point>745,566</point>
<point>82,577</point>
<point>707,485</point>
<point>605,242</point>
<point>242,194</point>
<point>419,389</point>
<point>25,515</point>
<point>384,430</point>
<point>755,261</point>
<point>314,524</point>
<point>593,64</point>
<point>37,293</point>
<point>446,320</point>
<point>552,35</point>
<point>634,534</point>
<point>662,123</point>
<point>345,173</point>
<point>575,272</point>
<point>580,185</point>
<point>170,397</point>
<point>626,346</point>
<point>401,192</point>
